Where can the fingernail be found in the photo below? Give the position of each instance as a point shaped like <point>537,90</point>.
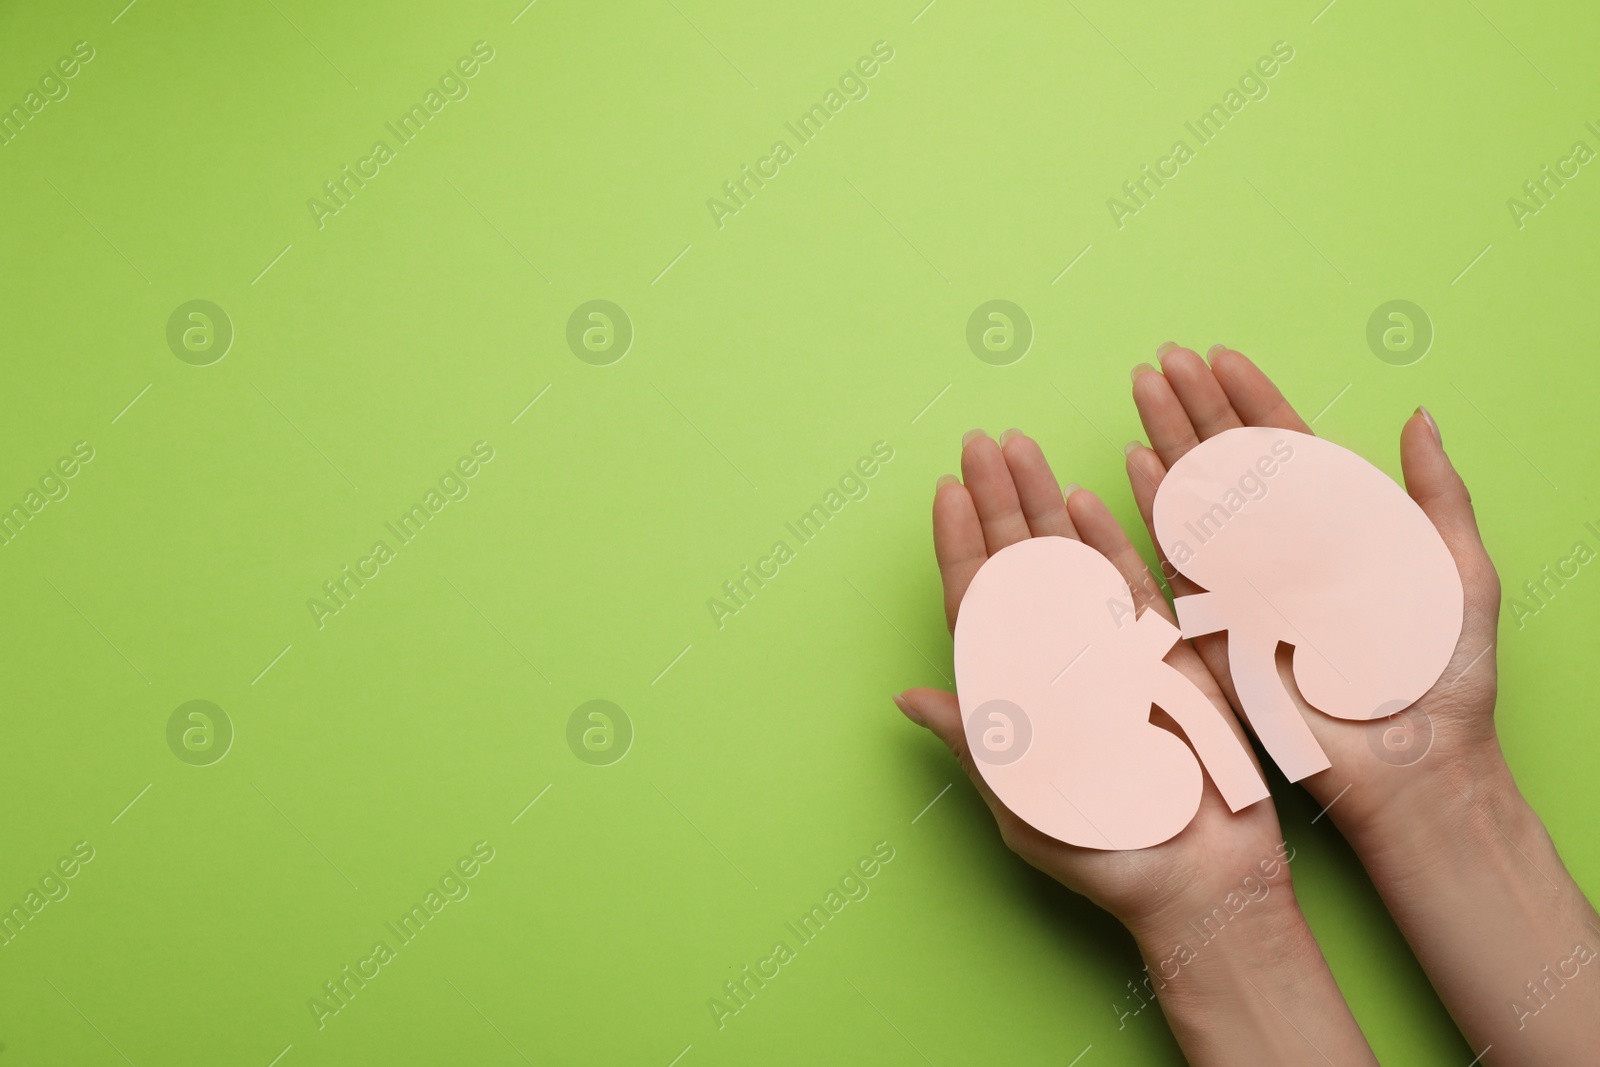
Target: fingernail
<point>944,480</point>
<point>1434,426</point>
<point>1165,347</point>
<point>1068,489</point>
<point>1008,435</point>
<point>971,436</point>
<point>1138,370</point>
<point>910,712</point>
<point>1128,449</point>
<point>1211,353</point>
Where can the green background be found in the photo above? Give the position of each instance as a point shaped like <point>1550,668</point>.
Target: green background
<point>769,355</point>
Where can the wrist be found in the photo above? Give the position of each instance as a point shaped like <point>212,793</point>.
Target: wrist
<point>1249,985</point>
<point>1251,929</point>
<point>1475,884</point>
<point>1433,810</point>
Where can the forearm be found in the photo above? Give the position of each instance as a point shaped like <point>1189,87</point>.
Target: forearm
<point>1507,937</point>
<point>1250,987</point>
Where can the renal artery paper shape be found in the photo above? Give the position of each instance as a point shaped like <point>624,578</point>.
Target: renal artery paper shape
<point>1296,541</point>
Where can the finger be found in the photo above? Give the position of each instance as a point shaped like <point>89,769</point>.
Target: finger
<point>1043,505</point>
<point>1253,396</point>
<point>1102,532</point>
<point>957,542</point>
<point>1207,405</point>
<point>940,713</point>
<point>1433,483</point>
<point>1145,474</point>
<point>1166,422</point>
<point>988,479</point>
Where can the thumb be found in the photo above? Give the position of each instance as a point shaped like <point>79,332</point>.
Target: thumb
<point>940,712</point>
<point>937,710</point>
<point>1433,483</point>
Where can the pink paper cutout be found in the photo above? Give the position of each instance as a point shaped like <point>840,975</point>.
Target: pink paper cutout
<point>1056,679</point>
<point>1300,541</point>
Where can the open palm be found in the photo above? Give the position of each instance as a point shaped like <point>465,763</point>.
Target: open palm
<point>1372,763</point>
<point>1007,494</point>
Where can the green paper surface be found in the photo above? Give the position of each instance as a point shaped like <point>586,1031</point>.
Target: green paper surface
<point>752,354</point>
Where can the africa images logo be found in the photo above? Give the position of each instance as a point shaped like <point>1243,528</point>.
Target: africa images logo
<point>1252,85</point>
<point>851,86</point>
<point>453,487</point>
<point>341,189</point>
<point>741,589</point>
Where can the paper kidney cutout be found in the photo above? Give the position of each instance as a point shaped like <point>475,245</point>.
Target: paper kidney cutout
<point>1056,679</point>
<point>1297,540</point>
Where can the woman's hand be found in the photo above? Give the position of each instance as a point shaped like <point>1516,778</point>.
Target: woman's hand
<point>1010,494</point>
<point>1374,764</point>
<point>1264,993</point>
<point>1426,799</point>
